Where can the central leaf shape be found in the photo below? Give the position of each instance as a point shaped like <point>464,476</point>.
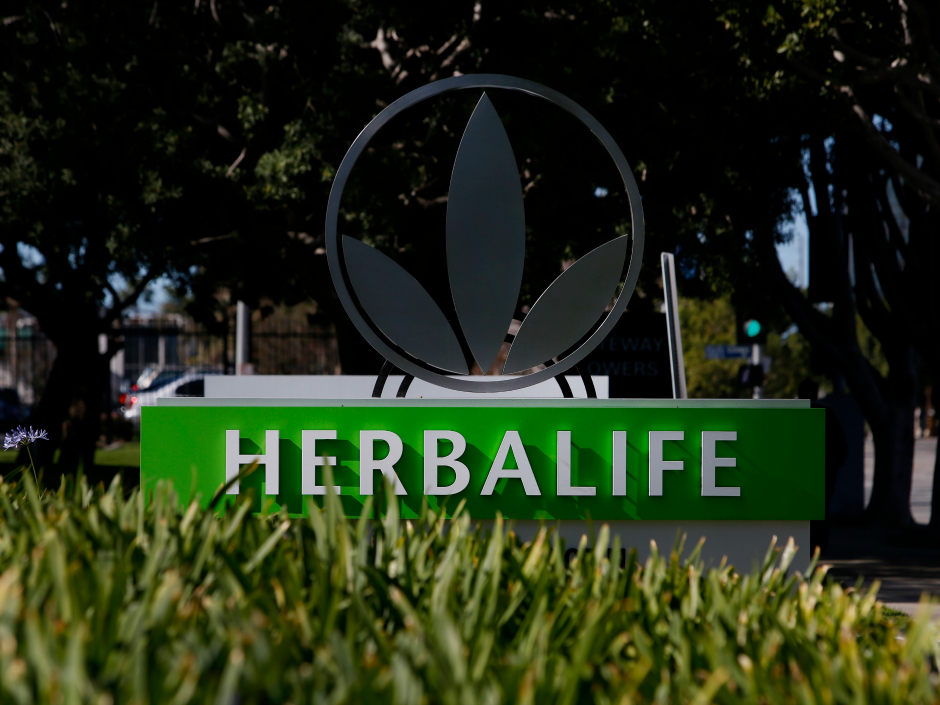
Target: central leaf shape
<point>485,233</point>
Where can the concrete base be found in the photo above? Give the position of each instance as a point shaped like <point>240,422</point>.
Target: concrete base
<point>744,543</point>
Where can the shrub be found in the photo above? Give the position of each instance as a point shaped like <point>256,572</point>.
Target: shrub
<point>111,600</point>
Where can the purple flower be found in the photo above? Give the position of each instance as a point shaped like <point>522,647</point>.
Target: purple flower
<point>14,438</point>
<point>20,436</point>
<point>36,435</point>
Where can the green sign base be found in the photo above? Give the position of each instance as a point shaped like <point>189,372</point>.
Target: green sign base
<point>528,459</point>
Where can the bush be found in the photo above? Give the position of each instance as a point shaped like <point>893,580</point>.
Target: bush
<point>111,600</point>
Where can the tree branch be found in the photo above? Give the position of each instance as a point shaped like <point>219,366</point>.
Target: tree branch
<point>901,193</point>
<point>819,178</point>
<point>895,238</point>
<point>899,286</point>
<point>929,137</point>
<point>238,160</point>
<point>870,304</point>
<point>804,194</point>
<point>923,21</point>
<point>914,111</point>
<point>814,324</point>
<point>907,76</point>
<point>924,185</point>
<point>222,132</point>
<point>211,238</point>
<point>136,291</point>
<point>862,377</point>
<point>111,290</point>
<point>854,54</point>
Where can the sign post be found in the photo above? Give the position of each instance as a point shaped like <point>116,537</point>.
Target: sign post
<point>671,294</point>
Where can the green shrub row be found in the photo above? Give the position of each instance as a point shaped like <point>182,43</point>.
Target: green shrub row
<point>111,600</point>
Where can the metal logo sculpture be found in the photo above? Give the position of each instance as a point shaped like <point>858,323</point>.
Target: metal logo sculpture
<point>485,246</point>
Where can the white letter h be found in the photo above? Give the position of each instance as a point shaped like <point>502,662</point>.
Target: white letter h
<point>270,460</point>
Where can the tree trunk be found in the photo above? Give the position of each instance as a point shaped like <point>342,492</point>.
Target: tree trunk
<point>935,495</point>
<point>70,407</point>
<point>890,503</point>
<point>887,404</point>
<point>892,428</point>
<point>51,411</point>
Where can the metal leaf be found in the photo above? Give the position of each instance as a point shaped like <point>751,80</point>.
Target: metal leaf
<point>485,233</point>
<point>569,307</point>
<point>401,307</point>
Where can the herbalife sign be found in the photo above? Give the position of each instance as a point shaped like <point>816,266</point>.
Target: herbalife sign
<point>528,459</point>
<point>524,458</point>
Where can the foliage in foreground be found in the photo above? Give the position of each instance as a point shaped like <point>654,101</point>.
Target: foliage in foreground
<point>111,600</point>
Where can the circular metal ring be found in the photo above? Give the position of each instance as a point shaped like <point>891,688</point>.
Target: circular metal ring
<point>482,383</point>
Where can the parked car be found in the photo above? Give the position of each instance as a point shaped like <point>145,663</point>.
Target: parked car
<point>186,384</point>
<point>154,378</point>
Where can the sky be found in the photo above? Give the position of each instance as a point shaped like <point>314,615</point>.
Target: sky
<point>794,256</point>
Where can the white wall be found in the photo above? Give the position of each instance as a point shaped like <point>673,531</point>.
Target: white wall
<point>360,387</point>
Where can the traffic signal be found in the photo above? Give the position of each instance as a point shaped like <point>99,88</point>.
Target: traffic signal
<point>751,332</point>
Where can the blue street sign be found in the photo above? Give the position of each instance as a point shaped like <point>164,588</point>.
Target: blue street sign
<point>727,352</point>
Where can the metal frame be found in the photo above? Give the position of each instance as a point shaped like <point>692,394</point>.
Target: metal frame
<point>334,243</point>
<point>671,295</point>
<point>388,368</point>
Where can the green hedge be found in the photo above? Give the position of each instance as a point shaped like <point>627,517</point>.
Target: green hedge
<point>111,600</point>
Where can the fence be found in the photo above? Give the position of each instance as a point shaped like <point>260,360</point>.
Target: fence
<point>293,342</point>
<point>26,356</point>
<point>287,341</point>
<point>168,342</point>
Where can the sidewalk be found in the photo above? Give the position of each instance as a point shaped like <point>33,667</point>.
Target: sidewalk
<point>905,572</point>
<point>906,568</point>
